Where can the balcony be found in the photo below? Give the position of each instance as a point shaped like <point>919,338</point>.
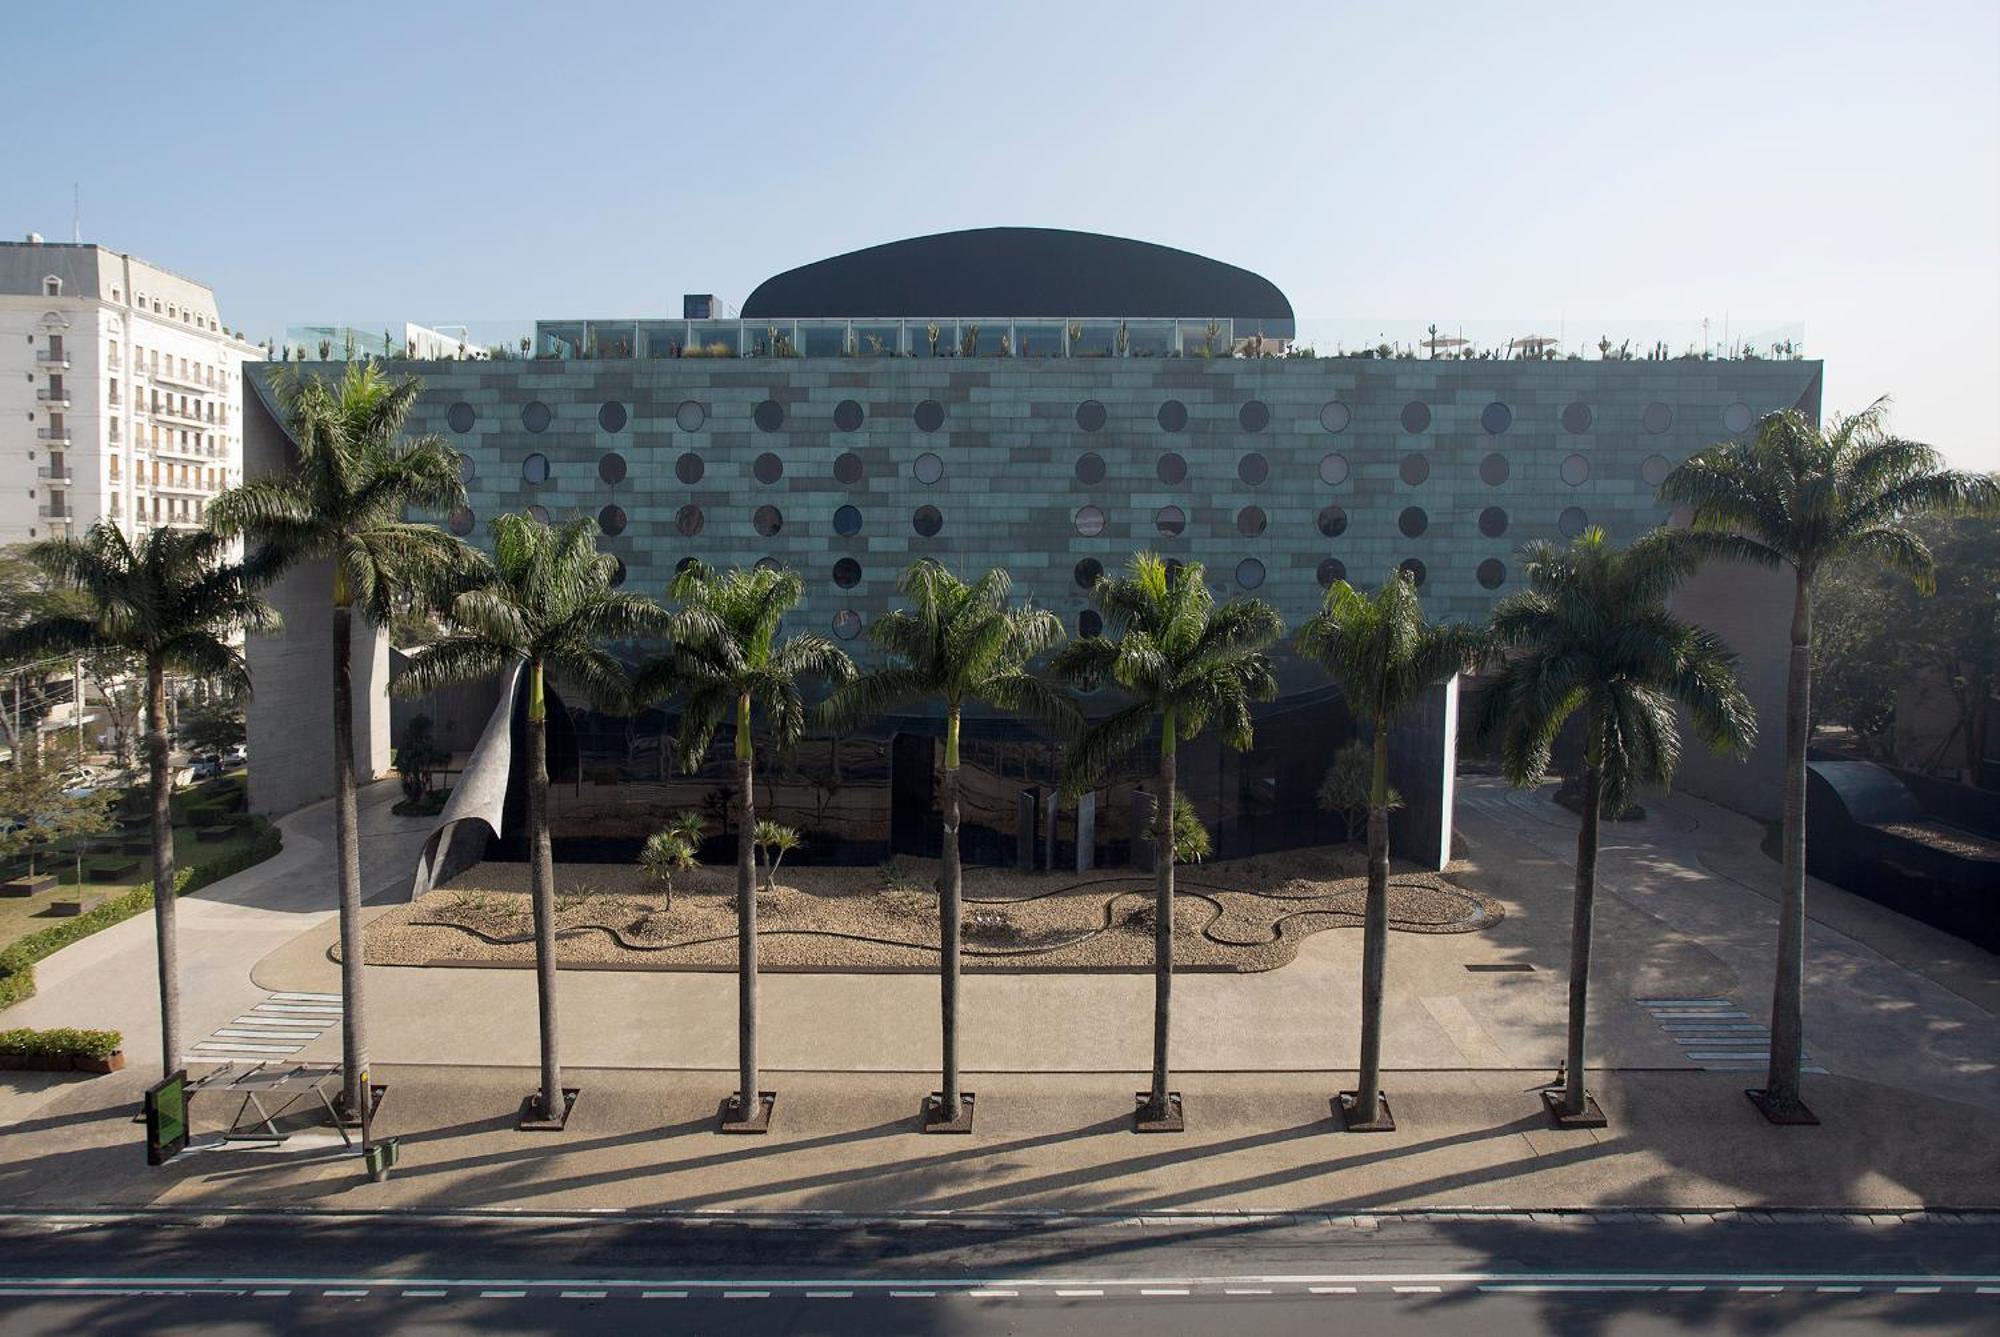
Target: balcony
<point>190,415</point>
<point>60,511</point>
<point>189,381</point>
<point>53,358</point>
<point>53,395</point>
<point>54,473</point>
<point>58,434</point>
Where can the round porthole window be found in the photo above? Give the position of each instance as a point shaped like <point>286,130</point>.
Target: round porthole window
<point>611,520</point>
<point>847,521</point>
<point>1334,416</point>
<point>928,469</point>
<point>1333,470</point>
<point>1572,521</point>
<point>461,521</point>
<point>1249,573</point>
<point>1414,469</point>
<point>689,416</point>
<point>769,416</point>
<point>768,520</point>
<point>1653,470</point>
<point>847,573</point>
<point>1254,416</point>
<point>1493,470</point>
<point>1251,521</point>
<point>929,416</point>
<point>1737,418</point>
<point>611,416</point>
<point>767,468</point>
<point>688,521</point>
<point>1173,415</point>
<point>1492,573</point>
<point>611,468</point>
<point>848,469</point>
<point>618,572</point>
<point>535,470</point>
<point>1090,416</point>
<point>1332,521</point>
<point>1413,521</point>
<point>1416,416</point>
<point>847,624</point>
<point>1089,521</point>
<point>1496,418</point>
<point>1253,469</point>
<point>1090,468</point>
<point>539,514</point>
<point>1089,623</point>
<point>1576,418</point>
<point>1493,522</point>
<point>689,469</point>
<point>1170,521</point>
<point>460,417</point>
<point>1330,570</point>
<point>1575,470</point>
<point>1087,572</point>
<point>848,415</point>
<point>535,416</point>
<point>927,521</point>
<point>1171,469</point>
<point>1656,419</point>
<point>1414,569</point>
<point>466,468</point>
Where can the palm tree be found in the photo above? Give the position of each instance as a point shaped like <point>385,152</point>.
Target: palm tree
<point>343,502</point>
<point>548,605</point>
<point>1187,664</point>
<point>171,603</point>
<point>1591,637</point>
<point>1795,495</point>
<point>958,644</point>
<point>1384,657</point>
<point>728,661</point>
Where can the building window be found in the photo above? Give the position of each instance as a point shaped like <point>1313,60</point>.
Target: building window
<point>52,286</point>
<point>848,415</point>
<point>927,521</point>
<point>769,416</point>
<point>1249,573</point>
<point>847,624</point>
<point>847,573</point>
<point>1171,469</point>
<point>1253,469</point>
<point>929,416</point>
<point>1330,570</point>
<point>1088,572</point>
<point>1332,521</point>
<point>1170,521</point>
<point>847,521</point>
<point>1254,416</point>
<point>928,469</point>
<point>1090,521</point>
<point>768,520</point>
<point>689,469</point>
<point>767,468</point>
<point>1090,415</point>
<point>848,468</point>
<point>1251,521</point>
<point>1173,415</point>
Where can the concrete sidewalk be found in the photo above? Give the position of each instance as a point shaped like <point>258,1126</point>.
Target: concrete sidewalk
<point>849,1143</point>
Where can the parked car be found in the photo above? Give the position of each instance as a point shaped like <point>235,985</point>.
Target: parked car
<point>236,756</point>
<point>206,767</point>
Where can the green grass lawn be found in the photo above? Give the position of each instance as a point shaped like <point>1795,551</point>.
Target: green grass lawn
<point>22,916</point>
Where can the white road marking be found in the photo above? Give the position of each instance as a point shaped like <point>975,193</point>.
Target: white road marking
<point>1160,1290</point>
<point>581,1295</point>
<point>1008,1295</point>
<point>913,1295</point>
<point>663,1295</point>
<point>1079,1294</point>
<point>1838,1290</point>
<point>422,1295</point>
<point>746,1295</point>
<point>344,1295</point>
<point>502,1295</point>
<point>1917,1290</point>
<point>829,1295</point>
<point>245,1047</point>
<point>1331,1290</point>
<point>1417,1290</point>
<point>1246,1290</point>
<point>1761,1290</point>
<point>307,997</point>
<point>270,1293</point>
<point>244,1034</point>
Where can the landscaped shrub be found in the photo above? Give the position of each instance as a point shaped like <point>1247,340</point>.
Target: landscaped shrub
<point>60,1042</point>
<point>17,960</point>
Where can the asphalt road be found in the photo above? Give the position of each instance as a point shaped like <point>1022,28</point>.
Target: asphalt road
<point>171,1273</point>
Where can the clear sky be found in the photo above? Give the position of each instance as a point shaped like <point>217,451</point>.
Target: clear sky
<point>1833,163</point>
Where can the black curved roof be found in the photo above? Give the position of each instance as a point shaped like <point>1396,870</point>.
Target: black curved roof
<point>1022,271</point>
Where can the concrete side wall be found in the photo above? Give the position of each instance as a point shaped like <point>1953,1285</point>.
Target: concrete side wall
<point>1751,609</point>
<point>290,717</point>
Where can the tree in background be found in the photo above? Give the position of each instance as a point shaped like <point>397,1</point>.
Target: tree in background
<point>418,759</point>
<point>672,849</point>
<point>40,807</point>
<point>211,725</point>
<point>1186,664</point>
<point>1798,496</point>
<point>550,605</point>
<point>957,644</point>
<point>172,605</point>
<point>1383,656</point>
<point>1590,638</point>
<point>343,503</point>
<point>729,665</point>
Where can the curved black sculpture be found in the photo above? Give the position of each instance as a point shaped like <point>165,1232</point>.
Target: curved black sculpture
<point>1023,271</point>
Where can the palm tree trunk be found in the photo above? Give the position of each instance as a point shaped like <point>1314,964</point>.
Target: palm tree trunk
<point>1781,1080</point>
<point>542,887</point>
<point>1579,928</point>
<point>950,914</point>
<point>347,854</point>
<point>166,943</point>
<point>746,920</point>
<point>1374,934</point>
<point>1157,1105</point>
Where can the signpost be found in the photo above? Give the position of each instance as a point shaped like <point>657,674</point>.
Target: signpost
<point>166,1118</point>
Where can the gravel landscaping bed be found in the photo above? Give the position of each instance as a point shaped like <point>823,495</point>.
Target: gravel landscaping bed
<point>1244,914</point>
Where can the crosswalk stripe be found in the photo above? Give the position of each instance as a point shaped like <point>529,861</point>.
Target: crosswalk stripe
<point>307,997</point>
<point>269,1035</point>
<point>239,1047</point>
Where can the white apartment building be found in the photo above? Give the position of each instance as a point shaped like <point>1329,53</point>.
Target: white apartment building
<point>119,389</point>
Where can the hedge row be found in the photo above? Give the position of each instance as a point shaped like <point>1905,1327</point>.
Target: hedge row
<point>17,960</point>
<point>63,1042</point>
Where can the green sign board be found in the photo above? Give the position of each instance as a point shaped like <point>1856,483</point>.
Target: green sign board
<point>166,1118</point>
